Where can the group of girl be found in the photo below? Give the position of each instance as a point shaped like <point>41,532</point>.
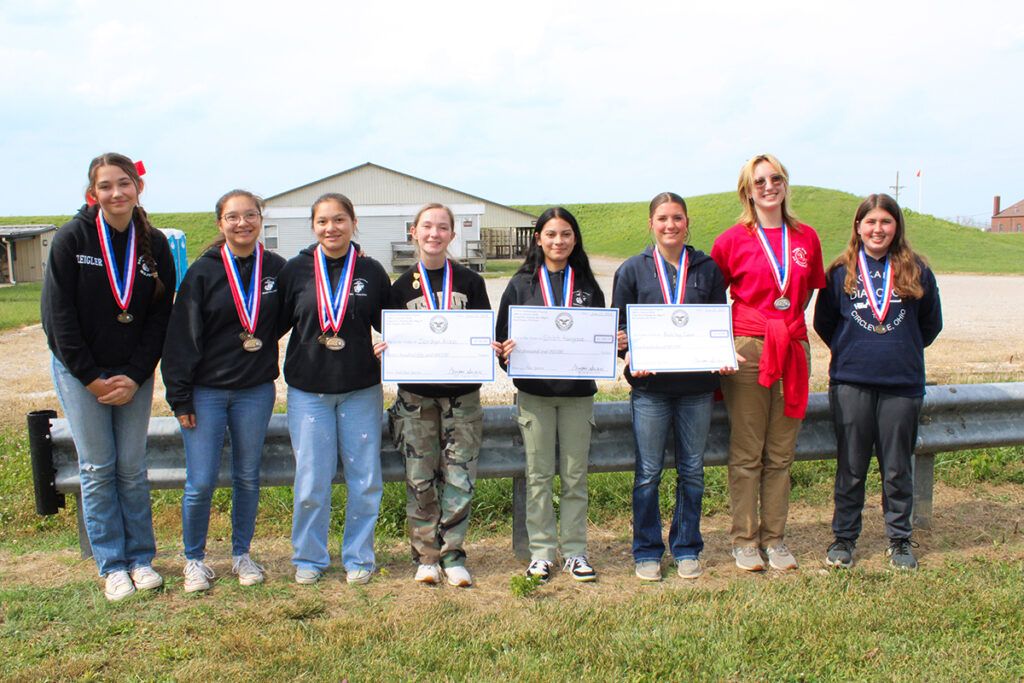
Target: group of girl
<point>108,316</point>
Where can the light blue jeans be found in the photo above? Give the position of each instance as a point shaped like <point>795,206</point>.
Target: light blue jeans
<point>111,445</point>
<point>688,417</point>
<point>245,414</point>
<point>322,426</point>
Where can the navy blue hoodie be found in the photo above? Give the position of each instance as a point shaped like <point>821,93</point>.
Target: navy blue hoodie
<point>892,362</point>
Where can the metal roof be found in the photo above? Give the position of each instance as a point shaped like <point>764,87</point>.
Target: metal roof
<point>17,231</point>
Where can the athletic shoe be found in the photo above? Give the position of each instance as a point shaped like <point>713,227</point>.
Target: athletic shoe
<point>900,554</point>
<point>458,576</point>
<point>748,558</point>
<point>688,568</point>
<point>197,576</point>
<point>580,568</point>
<point>428,573</point>
<point>780,558</point>
<point>145,579</point>
<point>541,569</point>
<point>358,576</point>
<point>307,577</point>
<point>648,570</point>
<point>249,573</point>
<point>840,553</point>
<point>118,586</point>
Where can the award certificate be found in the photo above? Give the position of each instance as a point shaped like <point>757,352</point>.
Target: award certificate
<point>562,343</point>
<point>680,338</point>
<point>447,347</point>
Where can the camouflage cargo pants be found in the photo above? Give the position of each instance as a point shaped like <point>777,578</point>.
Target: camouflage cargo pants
<point>440,441</point>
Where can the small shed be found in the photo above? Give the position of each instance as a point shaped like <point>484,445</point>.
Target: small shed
<point>24,250</point>
<point>386,203</point>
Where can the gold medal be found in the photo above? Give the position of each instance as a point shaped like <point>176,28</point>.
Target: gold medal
<point>252,344</point>
<point>416,284</point>
<point>334,343</point>
<point>880,329</point>
<point>125,317</point>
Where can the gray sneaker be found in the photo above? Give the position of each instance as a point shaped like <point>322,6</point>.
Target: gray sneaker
<point>900,554</point>
<point>748,558</point>
<point>688,568</point>
<point>648,570</point>
<point>780,558</point>
<point>840,553</point>
<point>307,577</point>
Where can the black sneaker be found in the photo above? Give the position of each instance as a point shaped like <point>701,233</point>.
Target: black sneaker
<point>900,554</point>
<point>840,553</point>
<point>541,569</point>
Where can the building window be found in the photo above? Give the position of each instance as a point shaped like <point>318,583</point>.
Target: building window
<point>270,236</point>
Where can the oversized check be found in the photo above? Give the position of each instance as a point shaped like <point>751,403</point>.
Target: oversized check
<point>438,346</point>
<point>679,338</point>
<point>562,343</point>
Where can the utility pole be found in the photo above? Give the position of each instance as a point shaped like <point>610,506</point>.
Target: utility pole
<point>897,187</point>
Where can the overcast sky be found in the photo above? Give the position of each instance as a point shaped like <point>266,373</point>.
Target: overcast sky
<point>519,102</point>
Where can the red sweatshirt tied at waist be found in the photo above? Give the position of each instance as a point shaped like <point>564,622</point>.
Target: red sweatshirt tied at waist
<point>783,354</point>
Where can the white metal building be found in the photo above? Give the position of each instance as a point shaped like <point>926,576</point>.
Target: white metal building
<point>24,250</point>
<point>386,203</point>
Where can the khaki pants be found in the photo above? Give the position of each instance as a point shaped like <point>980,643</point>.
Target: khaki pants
<point>761,444</point>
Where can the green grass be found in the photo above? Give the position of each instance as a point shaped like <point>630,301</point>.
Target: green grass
<point>19,305</point>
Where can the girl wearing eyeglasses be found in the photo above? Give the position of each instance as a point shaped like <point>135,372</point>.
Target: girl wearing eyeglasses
<point>219,367</point>
<point>771,263</point>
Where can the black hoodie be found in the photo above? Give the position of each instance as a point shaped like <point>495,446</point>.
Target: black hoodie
<point>79,311</point>
<point>309,365</point>
<point>203,346</point>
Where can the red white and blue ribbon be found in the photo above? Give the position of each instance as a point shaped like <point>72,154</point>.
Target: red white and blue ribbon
<point>247,303</point>
<point>780,271</point>
<point>568,278</point>
<point>332,304</point>
<point>446,287</point>
<point>660,267</point>
<point>879,307</point>
<point>120,284</point>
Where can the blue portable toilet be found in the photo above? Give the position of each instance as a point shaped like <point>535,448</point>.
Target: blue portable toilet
<point>176,238</point>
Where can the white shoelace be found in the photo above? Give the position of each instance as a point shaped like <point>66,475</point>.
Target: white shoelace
<point>196,568</point>
<point>244,564</point>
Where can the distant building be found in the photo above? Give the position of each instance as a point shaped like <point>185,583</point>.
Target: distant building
<point>1010,219</point>
<point>24,250</point>
<point>386,203</point>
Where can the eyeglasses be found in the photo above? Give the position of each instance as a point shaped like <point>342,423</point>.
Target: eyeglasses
<point>235,219</point>
<point>774,179</point>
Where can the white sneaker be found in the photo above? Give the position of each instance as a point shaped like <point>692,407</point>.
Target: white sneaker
<point>306,577</point>
<point>358,576</point>
<point>458,576</point>
<point>780,558</point>
<point>197,576</point>
<point>688,568</point>
<point>145,579</point>
<point>118,586</point>
<point>249,572</point>
<point>541,569</point>
<point>428,573</point>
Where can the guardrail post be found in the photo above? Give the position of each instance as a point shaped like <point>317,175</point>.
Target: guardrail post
<point>924,484</point>
<point>520,539</point>
<point>48,501</point>
<point>83,535</point>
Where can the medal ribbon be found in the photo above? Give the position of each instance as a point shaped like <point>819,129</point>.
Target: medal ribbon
<point>879,308</point>
<point>120,286</point>
<point>246,303</point>
<point>663,279</point>
<point>568,279</point>
<point>446,287</point>
<point>332,305</point>
<point>780,271</point>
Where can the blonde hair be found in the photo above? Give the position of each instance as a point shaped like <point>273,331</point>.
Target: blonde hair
<point>745,190</point>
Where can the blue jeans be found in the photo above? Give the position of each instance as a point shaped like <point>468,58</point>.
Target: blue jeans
<point>245,414</point>
<point>689,418</point>
<point>321,427</point>
<point>111,445</point>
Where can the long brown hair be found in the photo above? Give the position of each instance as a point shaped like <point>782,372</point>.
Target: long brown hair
<point>906,265</point>
<point>218,209</point>
<point>140,219</point>
<point>745,190</point>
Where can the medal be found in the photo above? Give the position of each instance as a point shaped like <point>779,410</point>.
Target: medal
<point>661,269</point>
<point>121,284</point>
<point>781,270</point>
<point>428,291</point>
<point>247,303</point>
<point>879,307</point>
<point>568,278</point>
<point>331,305</point>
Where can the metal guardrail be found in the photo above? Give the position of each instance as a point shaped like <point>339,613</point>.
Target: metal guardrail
<point>953,418</point>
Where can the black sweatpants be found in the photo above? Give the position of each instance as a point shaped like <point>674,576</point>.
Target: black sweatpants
<point>865,420</point>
